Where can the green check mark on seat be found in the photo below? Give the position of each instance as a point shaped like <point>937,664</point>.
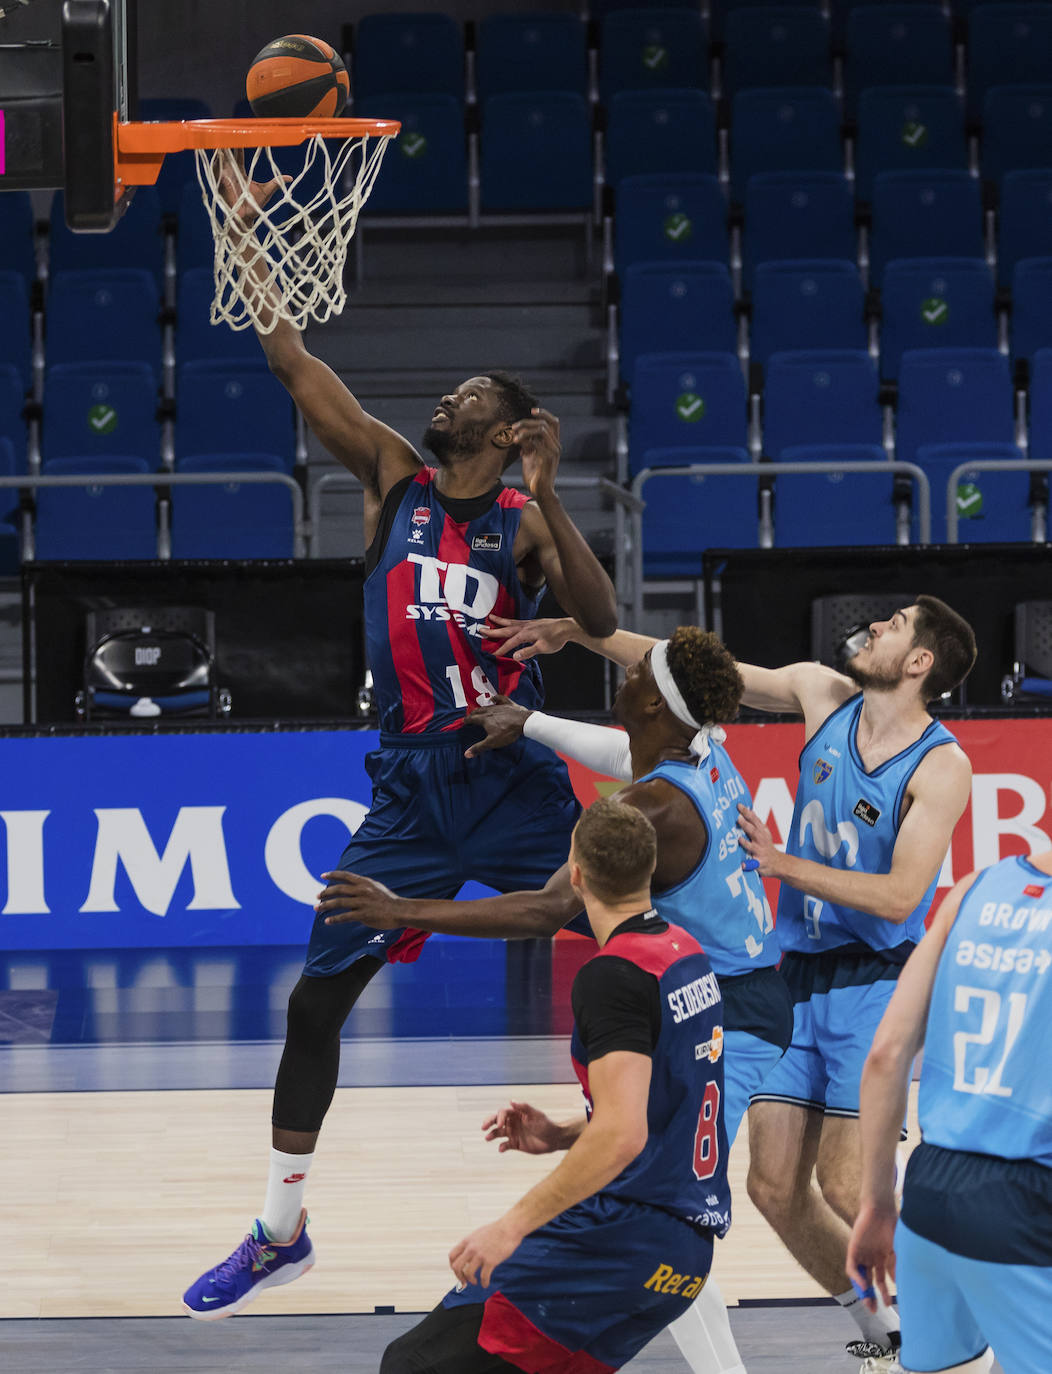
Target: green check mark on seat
<point>678,228</point>
<point>969,500</point>
<point>914,134</point>
<point>655,56</point>
<point>934,311</point>
<point>690,407</point>
<point>413,145</point>
<point>102,419</point>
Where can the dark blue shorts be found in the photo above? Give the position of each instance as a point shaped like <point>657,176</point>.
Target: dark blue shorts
<point>585,1293</point>
<point>438,820</point>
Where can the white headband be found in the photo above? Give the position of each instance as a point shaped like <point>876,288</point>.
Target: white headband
<point>674,701</point>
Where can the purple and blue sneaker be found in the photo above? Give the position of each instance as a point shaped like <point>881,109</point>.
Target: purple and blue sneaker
<point>257,1263</point>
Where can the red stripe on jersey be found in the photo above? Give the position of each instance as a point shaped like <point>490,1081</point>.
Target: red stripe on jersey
<point>418,698</point>
<point>453,548</point>
<point>507,1332</point>
<point>581,1070</point>
<point>512,499</point>
<point>652,953</point>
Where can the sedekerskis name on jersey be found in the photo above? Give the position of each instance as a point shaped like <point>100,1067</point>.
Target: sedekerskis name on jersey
<point>694,997</point>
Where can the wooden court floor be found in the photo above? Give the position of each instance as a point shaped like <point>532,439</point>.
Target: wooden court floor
<point>119,1200</point>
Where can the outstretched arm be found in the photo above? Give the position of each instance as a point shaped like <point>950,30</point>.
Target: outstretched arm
<point>885,1087</point>
<point>550,541</point>
<point>369,449</point>
<point>512,916</point>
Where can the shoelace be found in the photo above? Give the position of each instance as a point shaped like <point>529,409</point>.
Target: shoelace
<point>247,1253</point>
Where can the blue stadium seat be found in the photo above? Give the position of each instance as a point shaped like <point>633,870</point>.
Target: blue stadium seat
<point>195,337</point>
<point>992,507</point>
<point>233,408</point>
<point>425,169</point>
<point>776,45</point>
<point>135,240</point>
<point>659,131</point>
<point>96,522</point>
<point>676,308</point>
<point>1008,45</point>
<point>784,129</point>
<point>820,396</point>
<point>798,215</point>
<point>840,9</point>
<point>896,45</point>
<point>15,338</point>
<point>1041,404</point>
<point>545,50</point>
<point>836,507</point>
<point>905,129</point>
<point>1031,306</point>
<point>12,412</point>
<point>194,244</point>
<point>9,467</point>
<point>423,53</point>
<point>235,520</point>
<point>107,316</point>
<point>17,252</point>
<point>684,516</point>
<point>721,10</point>
<point>659,217</point>
<point>806,303</point>
<point>1017,129</point>
<point>652,49</point>
<point>925,215</point>
<point>952,395</point>
<point>1024,220</point>
<point>686,400</point>
<point>935,303</point>
<point>107,409</point>
<point>536,152</point>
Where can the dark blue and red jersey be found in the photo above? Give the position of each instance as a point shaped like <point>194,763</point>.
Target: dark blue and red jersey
<point>682,1169</point>
<point>435,572</point>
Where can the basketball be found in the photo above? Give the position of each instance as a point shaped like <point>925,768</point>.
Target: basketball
<point>297,77</point>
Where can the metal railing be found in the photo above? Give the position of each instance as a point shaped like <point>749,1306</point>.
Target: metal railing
<point>984,465</point>
<point>172,479</point>
<point>757,472</point>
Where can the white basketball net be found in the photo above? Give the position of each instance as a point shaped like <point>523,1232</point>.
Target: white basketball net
<point>284,260</point>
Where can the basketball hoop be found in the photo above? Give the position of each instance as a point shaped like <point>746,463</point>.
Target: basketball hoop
<point>283,259</point>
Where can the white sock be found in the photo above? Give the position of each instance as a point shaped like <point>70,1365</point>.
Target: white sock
<point>703,1335</point>
<point>284,1200</point>
<point>875,1326</point>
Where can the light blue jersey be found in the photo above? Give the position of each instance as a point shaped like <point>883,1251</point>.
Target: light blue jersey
<point>723,907</point>
<point>986,1085</point>
<point>848,819</point>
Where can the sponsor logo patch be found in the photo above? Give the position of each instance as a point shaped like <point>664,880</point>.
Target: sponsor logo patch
<point>865,811</point>
<point>821,770</point>
<point>1032,890</point>
<point>714,774</point>
<point>710,1049</point>
<point>421,515</point>
<point>487,543</point>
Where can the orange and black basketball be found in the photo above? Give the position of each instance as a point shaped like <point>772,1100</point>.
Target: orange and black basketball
<point>297,77</point>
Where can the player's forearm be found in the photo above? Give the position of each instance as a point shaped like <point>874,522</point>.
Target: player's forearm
<point>886,895</point>
<point>594,1159</point>
<point>511,916</point>
<point>882,1109</point>
<point>598,747</point>
<point>587,592</point>
<point>623,646</point>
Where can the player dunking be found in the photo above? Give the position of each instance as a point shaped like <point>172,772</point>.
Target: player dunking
<point>448,546</point>
<point>591,1263</point>
<point>882,786</point>
<point>671,705</point>
<point>974,1243</point>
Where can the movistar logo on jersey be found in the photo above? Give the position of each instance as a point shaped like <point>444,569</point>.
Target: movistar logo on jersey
<point>821,770</point>
<point>452,591</point>
<point>827,841</point>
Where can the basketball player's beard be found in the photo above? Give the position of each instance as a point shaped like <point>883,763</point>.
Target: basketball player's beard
<point>449,445</point>
<point>881,679</point>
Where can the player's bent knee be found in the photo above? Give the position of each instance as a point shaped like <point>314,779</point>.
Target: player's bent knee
<point>770,1195</point>
<point>398,1357</point>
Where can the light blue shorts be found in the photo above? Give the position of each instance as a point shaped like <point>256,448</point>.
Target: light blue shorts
<point>952,1308</point>
<point>747,1063</point>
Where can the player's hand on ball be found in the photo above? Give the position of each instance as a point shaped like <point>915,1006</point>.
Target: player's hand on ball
<point>758,844</point>
<point>502,722</point>
<point>524,639</point>
<point>476,1257</point>
<point>538,441</point>
<point>519,1126</point>
<point>348,897</point>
